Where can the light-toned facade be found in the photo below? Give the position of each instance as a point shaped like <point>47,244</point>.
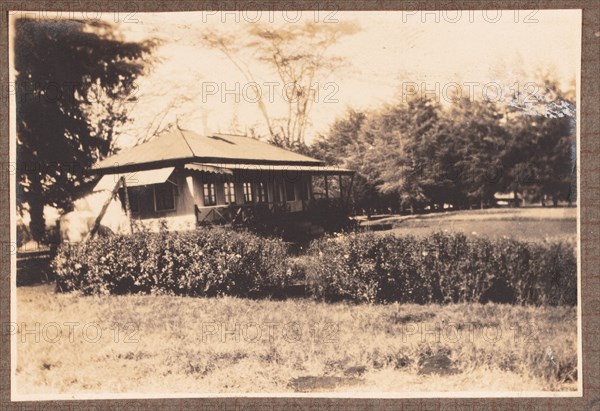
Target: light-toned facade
<point>185,180</point>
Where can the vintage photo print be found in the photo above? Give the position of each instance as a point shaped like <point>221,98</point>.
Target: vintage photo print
<point>314,203</point>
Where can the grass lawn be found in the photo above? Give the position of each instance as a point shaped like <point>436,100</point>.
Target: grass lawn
<point>528,223</point>
<point>154,344</point>
<point>67,343</point>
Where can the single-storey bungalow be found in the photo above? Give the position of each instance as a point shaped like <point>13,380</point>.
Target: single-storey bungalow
<point>187,179</point>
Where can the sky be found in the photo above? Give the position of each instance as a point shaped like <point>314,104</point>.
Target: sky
<point>393,53</point>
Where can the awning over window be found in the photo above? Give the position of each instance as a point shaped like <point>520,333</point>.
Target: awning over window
<point>262,167</point>
<point>135,178</point>
<point>208,168</point>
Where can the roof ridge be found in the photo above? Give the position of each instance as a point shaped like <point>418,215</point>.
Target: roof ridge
<point>186,142</point>
<point>166,149</point>
<point>231,135</point>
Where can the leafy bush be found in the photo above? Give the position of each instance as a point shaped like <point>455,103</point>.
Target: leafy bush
<point>330,213</point>
<point>440,268</point>
<point>205,262</point>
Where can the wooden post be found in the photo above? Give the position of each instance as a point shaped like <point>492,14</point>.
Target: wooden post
<point>326,187</point>
<point>349,191</point>
<point>127,205</point>
<point>96,225</point>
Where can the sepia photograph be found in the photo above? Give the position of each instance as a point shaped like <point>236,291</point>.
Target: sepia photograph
<point>277,203</point>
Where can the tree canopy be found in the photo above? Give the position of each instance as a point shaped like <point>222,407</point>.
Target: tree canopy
<point>417,154</point>
<point>299,55</point>
<point>74,80</point>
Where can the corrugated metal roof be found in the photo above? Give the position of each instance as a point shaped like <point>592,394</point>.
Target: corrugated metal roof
<point>166,147</point>
<point>177,144</point>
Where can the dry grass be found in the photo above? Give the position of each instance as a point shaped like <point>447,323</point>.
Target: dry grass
<point>374,348</point>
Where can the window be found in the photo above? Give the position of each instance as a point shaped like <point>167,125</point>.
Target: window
<point>305,190</point>
<point>277,192</point>
<point>289,191</point>
<point>261,193</point>
<point>229,190</point>
<point>164,197</point>
<point>210,196</point>
<point>247,192</point>
<point>134,199</point>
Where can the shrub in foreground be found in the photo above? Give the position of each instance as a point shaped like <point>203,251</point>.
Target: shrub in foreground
<point>207,262</point>
<point>440,268</point>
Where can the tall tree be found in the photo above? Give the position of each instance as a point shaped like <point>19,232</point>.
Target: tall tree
<point>298,54</point>
<point>405,140</point>
<point>73,81</point>
<point>540,156</point>
<point>480,140</point>
<point>422,154</point>
<point>342,144</point>
<point>346,145</point>
<point>540,159</point>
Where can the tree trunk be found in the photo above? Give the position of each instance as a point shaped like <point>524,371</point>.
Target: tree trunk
<point>37,225</point>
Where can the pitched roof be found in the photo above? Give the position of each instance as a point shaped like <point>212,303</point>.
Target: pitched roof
<point>178,145</point>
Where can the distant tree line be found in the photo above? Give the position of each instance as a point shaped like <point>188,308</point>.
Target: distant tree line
<point>417,154</point>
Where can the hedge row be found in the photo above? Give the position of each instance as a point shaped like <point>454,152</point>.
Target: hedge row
<point>207,262</point>
<point>441,268</point>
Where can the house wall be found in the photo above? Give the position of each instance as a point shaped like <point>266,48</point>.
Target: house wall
<point>189,192</point>
<point>275,184</point>
<point>182,217</point>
